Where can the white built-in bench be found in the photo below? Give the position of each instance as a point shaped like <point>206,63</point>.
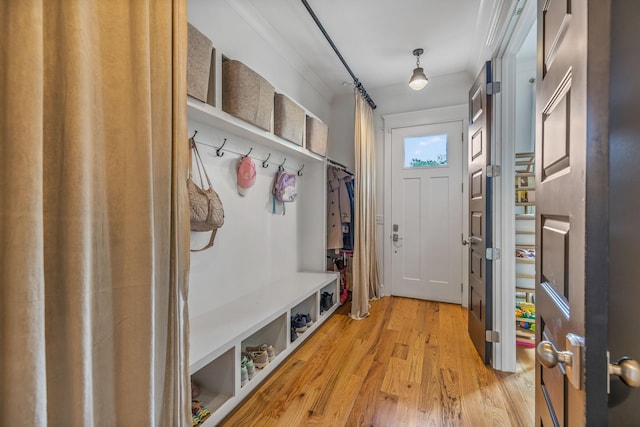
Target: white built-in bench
<point>218,337</point>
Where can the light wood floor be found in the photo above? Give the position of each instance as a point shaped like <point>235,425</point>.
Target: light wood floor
<point>410,363</point>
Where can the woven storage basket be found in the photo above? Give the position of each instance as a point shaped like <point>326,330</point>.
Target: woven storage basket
<point>200,66</point>
<point>317,136</point>
<point>288,119</point>
<point>246,95</point>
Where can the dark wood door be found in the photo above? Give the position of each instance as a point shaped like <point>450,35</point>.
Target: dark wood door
<point>624,205</point>
<point>572,210</point>
<point>480,283</point>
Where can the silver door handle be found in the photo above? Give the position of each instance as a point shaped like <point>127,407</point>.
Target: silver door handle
<point>550,356</point>
<point>628,370</point>
<point>472,240</point>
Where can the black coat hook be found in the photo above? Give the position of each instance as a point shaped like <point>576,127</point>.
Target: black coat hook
<point>281,167</point>
<point>300,170</point>
<point>219,152</point>
<point>195,132</point>
<point>264,162</point>
<point>247,155</point>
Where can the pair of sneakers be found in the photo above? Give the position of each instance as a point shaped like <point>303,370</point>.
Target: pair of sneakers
<point>247,369</point>
<point>261,354</point>
<point>301,322</point>
<point>326,301</point>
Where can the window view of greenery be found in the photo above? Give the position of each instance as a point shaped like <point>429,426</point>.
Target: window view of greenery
<point>425,151</point>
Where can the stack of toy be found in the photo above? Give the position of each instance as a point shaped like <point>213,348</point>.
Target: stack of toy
<point>198,412</point>
<point>526,310</point>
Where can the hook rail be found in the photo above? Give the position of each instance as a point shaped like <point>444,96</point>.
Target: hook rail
<point>219,151</point>
<point>265,162</point>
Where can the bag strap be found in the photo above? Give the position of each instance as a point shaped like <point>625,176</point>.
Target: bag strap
<point>284,209</point>
<point>199,164</point>
<point>213,236</point>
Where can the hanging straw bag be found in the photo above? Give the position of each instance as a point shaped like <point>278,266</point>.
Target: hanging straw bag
<point>205,205</point>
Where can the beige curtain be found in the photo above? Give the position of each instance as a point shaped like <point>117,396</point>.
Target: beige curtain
<point>365,260</point>
<point>94,221</point>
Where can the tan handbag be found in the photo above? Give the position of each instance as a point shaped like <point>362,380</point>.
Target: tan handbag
<point>205,205</point>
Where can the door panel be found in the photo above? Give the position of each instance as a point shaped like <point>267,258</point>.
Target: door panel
<point>426,207</point>
<point>480,284</point>
<point>624,269</point>
<point>571,208</point>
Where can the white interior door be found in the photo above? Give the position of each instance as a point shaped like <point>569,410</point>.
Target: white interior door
<point>426,213</point>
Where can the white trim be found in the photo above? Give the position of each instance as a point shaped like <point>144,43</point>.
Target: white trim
<point>499,285</point>
<point>417,118</point>
<point>504,202</point>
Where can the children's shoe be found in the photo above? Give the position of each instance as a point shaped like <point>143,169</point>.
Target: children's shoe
<point>326,301</point>
<point>307,319</point>
<point>260,358</point>
<point>299,323</point>
<point>248,362</point>
<point>271,354</point>
<point>244,375</point>
<point>294,335</point>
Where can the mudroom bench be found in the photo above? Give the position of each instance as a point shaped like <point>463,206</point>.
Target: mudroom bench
<point>218,337</point>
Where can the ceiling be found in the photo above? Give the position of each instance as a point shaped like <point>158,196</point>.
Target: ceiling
<point>377,37</point>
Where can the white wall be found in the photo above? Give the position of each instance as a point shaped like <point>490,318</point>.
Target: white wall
<point>525,98</point>
<point>442,91</point>
<point>253,247</point>
<point>340,146</point>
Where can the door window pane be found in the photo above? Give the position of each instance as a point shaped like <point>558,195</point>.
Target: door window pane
<point>425,151</point>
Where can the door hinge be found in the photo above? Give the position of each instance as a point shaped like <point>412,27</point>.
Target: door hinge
<point>493,88</point>
<point>492,336</point>
<point>493,171</point>
<point>492,254</point>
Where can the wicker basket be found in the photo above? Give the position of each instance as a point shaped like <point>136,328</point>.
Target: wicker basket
<point>288,119</point>
<point>317,136</point>
<point>246,95</point>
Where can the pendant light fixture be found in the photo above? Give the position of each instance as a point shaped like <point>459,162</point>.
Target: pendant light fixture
<point>418,80</point>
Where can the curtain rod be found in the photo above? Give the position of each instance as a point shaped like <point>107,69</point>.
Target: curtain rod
<point>335,164</point>
<point>356,82</point>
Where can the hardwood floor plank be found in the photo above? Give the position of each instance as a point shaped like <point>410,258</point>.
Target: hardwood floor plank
<point>410,363</point>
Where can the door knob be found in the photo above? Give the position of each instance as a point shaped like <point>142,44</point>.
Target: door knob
<point>472,240</point>
<point>628,370</point>
<point>550,356</point>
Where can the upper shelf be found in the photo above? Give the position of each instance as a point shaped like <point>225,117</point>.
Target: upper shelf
<point>205,113</point>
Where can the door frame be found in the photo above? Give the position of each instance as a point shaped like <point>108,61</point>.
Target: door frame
<point>419,118</point>
<point>504,352</point>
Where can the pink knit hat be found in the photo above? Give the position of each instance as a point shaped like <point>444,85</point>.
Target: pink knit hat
<point>246,175</point>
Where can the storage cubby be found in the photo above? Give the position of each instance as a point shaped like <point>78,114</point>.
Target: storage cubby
<point>217,381</point>
<point>274,334</point>
<point>308,306</point>
<point>332,288</point>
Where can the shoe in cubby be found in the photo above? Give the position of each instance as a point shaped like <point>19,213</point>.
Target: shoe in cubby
<point>307,319</point>
<point>299,323</point>
<point>244,375</point>
<point>264,347</point>
<point>248,362</point>
<point>260,358</point>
